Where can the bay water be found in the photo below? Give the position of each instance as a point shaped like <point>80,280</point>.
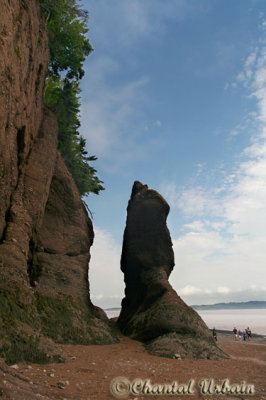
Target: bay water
<point>255,319</point>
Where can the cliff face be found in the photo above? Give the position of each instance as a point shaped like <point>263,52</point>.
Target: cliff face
<point>151,310</point>
<point>23,64</point>
<point>45,232</point>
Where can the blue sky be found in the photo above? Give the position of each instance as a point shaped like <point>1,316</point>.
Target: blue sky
<point>174,95</point>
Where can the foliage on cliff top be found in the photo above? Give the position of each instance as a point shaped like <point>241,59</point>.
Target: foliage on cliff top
<point>62,96</point>
<point>67,28</point>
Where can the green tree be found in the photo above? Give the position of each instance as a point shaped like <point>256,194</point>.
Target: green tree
<point>62,96</point>
<point>67,29</point>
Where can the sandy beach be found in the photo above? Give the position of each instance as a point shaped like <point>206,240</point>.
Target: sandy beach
<point>89,370</point>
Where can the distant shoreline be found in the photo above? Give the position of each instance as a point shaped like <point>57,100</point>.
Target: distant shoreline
<point>247,305</point>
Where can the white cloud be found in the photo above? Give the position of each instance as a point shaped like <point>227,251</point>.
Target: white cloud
<point>198,295</point>
<point>241,77</point>
<point>195,226</point>
<point>216,226</point>
<point>223,290</point>
<point>263,25</point>
<point>170,192</point>
<point>193,201</point>
<point>224,244</point>
<point>196,200</point>
<point>250,61</point>
<point>105,276</point>
<point>191,290</point>
<point>246,74</point>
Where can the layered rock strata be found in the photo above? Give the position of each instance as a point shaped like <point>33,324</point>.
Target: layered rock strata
<point>45,232</point>
<point>152,311</point>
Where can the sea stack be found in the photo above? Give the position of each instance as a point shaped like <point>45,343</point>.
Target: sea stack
<point>152,311</point>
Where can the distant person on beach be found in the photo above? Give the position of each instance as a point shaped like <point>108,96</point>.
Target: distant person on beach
<point>248,332</point>
<point>244,335</point>
<point>235,332</point>
<point>214,333</point>
<point>239,334</point>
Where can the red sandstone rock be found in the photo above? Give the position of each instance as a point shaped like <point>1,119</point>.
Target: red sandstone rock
<point>151,310</point>
<point>45,232</point>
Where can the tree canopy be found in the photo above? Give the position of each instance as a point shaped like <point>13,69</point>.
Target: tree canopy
<point>69,47</point>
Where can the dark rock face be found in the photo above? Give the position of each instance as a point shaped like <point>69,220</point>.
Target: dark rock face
<point>60,254</point>
<point>45,232</point>
<point>152,311</point>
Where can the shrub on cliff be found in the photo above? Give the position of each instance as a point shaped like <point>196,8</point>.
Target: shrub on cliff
<point>69,47</point>
<point>62,96</point>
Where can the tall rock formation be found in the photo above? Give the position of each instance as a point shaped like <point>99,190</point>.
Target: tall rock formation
<point>152,311</point>
<point>45,232</point>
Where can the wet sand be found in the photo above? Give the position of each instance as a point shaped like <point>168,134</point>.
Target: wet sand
<point>89,370</point>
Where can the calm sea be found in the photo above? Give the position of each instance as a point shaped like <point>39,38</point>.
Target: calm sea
<point>255,319</point>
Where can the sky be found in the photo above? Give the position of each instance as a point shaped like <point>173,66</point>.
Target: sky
<point>174,95</point>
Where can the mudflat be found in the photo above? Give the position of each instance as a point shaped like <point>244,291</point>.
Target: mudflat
<point>89,370</point>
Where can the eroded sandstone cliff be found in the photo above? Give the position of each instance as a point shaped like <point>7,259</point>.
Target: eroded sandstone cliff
<point>151,309</point>
<point>45,232</point>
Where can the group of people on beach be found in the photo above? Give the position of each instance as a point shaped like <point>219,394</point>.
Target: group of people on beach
<point>245,334</point>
